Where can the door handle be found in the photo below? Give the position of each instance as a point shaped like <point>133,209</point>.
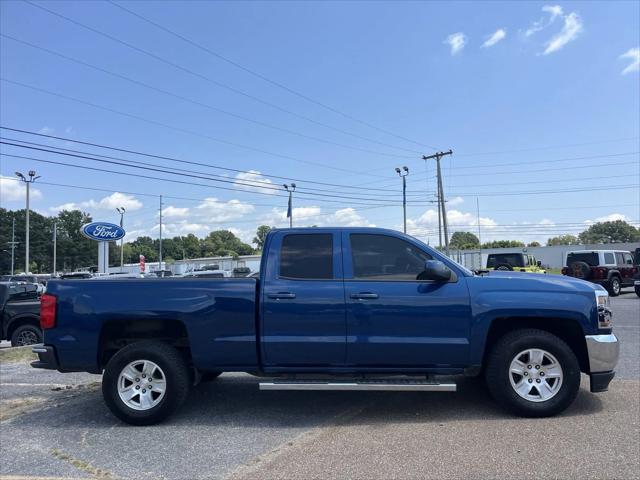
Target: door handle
<point>282,295</point>
<point>364,296</point>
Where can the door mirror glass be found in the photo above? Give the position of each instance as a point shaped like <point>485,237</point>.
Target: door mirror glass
<point>436,271</point>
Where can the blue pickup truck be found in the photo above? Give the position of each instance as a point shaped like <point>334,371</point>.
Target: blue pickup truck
<point>334,309</point>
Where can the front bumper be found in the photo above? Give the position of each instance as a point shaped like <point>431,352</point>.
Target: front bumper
<point>603,351</point>
<point>46,357</point>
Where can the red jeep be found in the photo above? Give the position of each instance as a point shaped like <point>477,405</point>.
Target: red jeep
<point>613,269</point>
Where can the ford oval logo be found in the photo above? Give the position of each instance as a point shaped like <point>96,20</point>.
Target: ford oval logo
<point>102,231</point>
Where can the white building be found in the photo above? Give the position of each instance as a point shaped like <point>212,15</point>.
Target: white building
<point>227,263</point>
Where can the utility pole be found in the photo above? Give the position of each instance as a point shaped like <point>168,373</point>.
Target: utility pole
<point>290,188</point>
<point>13,243</point>
<point>28,182</point>
<point>404,193</point>
<point>55,247</point>
<point>160,245</point>
<point>121,211</point>
<point>441,202</point>
<point>479,237</point>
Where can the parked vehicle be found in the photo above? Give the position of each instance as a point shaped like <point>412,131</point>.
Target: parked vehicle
<point>75,276</point>
<point>518,261</point>
<point>370,309</point>
<point>636,277</point>
<point>32,279</point>
<point>613,269</point>
<point>207,274</point>
<point>20,313</point>
<point>241,272</point>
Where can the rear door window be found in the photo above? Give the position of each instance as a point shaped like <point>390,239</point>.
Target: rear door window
<point>608,259</point>
<point>511,259</point>
<point>628,258</point>
<point>619,258</point>
<point>307,256</point>
<point>590,258</point>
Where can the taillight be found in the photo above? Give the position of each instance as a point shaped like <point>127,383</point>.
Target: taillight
<point>47,311</point>
<point>565,270</point>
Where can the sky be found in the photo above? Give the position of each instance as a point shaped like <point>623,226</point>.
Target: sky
<point>539,101</point>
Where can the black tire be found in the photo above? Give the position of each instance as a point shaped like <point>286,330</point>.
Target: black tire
<point>497,374</point>
<point>26,335</point>
<point>614,286</point>
<point>580,270</point>
<point>504,267</point>
<point>177,381</point>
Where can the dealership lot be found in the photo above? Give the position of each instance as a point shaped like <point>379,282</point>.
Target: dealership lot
<point>57,426</point>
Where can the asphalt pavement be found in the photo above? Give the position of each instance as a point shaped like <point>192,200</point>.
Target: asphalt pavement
<point>57,426</point>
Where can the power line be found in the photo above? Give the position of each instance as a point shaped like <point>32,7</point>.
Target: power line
<point>538,170</point>
<point>263,77</point>
<point>189,71</point>
<point>189,173</point>
<point>178,160</point>
<point>180,129</point>
<point>547,147</point>
<point>252,183</point>
<point>204,105</point>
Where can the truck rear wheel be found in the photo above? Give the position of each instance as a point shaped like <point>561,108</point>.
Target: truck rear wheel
<point>145,382</point>
<point>533,373</point>
<point>614,286</point>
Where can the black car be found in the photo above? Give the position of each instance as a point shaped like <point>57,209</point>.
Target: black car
<point>20,314</point>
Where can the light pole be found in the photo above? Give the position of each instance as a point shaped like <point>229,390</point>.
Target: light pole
<point>121,211</point>
<point>32,178</point>
<point>403,174</point>
<point>290,188</point>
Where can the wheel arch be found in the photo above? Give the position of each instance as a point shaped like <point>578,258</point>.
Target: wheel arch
<point>116,334</point>
<point>19,321</point>
<point>568,330</point>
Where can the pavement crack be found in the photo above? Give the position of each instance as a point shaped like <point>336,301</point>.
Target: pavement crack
<point>81,465</point>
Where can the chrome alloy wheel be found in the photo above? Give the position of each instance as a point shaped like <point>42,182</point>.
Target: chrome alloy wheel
<point>141,385</point>
<point>535,375</point>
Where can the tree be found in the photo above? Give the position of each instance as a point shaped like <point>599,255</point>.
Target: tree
<point>503,244</point>
<point>224,242</point>
<point>563,240</point>
<point>464,241</point>
<point>617,231</point>
<point>533,244</point>
<point>261,236</point>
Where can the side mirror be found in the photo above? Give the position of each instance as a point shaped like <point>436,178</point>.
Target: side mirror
<point>435,270</point>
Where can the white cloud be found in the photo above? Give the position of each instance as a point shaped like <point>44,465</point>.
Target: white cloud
<point>246,180</point>
<point>570,30</point>
<point>456,41</point>
<point>212,210</point>
<point>12,190</point>
<point>455,201</point>
<point>313,215</point>
<point>554,12</point>
<point>173,212</point>
<point>494,38</point>
<point>607,218</point>
<point>46,130</point>
<point>110,202</point>
<point>632,54</point>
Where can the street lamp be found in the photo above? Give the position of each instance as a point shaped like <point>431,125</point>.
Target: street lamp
<point>290,188</point>
<point>121,211</point>
<point>403,174</point>
<point>32,178</point>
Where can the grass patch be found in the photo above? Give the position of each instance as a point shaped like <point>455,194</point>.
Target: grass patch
<point>13,407</point>
<point>17,354</point>
<point>81,464</point>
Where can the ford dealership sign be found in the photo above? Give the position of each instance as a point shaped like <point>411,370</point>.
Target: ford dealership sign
<point>102,231</point>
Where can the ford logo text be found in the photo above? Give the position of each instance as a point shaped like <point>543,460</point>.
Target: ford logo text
<point>102,231</point>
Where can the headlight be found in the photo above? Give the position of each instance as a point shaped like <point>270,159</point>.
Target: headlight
<point>604,309</point>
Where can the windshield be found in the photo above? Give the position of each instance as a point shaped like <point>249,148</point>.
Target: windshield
<point>590,258</point>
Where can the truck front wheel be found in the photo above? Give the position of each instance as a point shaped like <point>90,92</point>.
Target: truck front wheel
<point>533,373</point>
<point>145,382</point>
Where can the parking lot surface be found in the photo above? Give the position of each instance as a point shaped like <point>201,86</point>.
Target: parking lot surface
<point>57,426</point>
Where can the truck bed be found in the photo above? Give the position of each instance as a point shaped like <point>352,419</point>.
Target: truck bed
<point>218,314</point>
